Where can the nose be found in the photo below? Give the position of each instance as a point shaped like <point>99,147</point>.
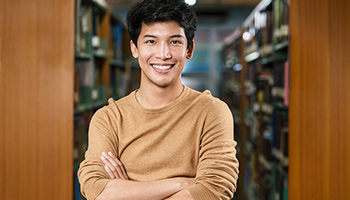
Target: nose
<point>163,52</point>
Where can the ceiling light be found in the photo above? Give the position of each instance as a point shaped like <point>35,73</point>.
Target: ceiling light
<point>190,2</point>
<point>246,36</point>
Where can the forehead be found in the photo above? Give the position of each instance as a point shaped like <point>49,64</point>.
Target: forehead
<point>162,28</point>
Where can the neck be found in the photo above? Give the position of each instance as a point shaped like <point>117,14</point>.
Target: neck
<point>153,97</point>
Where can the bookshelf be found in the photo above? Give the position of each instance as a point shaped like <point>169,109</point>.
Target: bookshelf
<point>36,99</point>
<point>308,158</point>
<point>257,87</point>
<point>103,68</point>
<point>319,100</point>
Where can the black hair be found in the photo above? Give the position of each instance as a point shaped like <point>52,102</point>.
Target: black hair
<point>148,11</point>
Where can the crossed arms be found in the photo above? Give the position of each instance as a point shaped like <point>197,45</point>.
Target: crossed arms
<point>120,187</point>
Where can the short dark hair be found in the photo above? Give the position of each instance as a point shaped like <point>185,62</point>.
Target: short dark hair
<point>148,11</point>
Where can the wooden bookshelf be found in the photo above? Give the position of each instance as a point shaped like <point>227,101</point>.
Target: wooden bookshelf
<point>261,50</point>
<point>234,94</point>
<point>100,64</point>
<point>36,109</point>
<point>320,100</point>
<point>312,164</point>
<point>103,68</point>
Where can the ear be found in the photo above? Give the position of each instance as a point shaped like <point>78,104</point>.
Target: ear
<point>190,50</point>
<point>134,49</point>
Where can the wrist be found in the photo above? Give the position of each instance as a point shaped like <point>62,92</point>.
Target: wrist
<point>184,182</point>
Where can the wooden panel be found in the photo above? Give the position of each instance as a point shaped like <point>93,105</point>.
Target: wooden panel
<point>36,99</point>
<point>319,99</point>
<point>243,129</point>
<point>105,30</point>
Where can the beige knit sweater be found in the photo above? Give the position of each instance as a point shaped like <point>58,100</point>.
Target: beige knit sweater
<point>191,137</point>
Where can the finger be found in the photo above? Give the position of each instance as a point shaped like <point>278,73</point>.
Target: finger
<point>116,167</point>
<point>110,167</point>
<point>109,171</point>
<point>121,166</point>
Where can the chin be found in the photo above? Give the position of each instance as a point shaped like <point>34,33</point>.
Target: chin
<point>163,85</point>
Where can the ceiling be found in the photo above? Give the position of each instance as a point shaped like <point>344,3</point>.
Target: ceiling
<point>200,5</point>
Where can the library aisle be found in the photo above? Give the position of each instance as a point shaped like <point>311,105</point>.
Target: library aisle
<point>256,88</point>
<point>282,66</point>
<point>287,83</point>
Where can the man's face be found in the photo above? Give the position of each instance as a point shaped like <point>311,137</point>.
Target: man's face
<point>162,52</point>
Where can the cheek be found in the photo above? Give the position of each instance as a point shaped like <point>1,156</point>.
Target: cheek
<point>180,54</point>
<point>145,54</point>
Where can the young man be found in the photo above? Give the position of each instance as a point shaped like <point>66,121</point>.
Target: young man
<point>164,140</point>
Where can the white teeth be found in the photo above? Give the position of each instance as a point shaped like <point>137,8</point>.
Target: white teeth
<point>162,67</point>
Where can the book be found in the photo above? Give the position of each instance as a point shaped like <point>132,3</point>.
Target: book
<point>86,73</point>
<point>286,83</point>
<point>117,42</point>
<point>76,87</point>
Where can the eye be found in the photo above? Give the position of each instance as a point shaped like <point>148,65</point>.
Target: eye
<point>150,41</point>
<point>175,42</point>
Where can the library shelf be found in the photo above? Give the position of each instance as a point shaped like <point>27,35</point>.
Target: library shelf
<point>261,46</point>
<point>102,67</point>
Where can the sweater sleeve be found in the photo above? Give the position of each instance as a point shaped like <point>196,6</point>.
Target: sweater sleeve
<point>91,174</point>
<point>217,171</point>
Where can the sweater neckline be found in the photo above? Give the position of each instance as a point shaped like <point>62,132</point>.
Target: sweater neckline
<point>164,108</point>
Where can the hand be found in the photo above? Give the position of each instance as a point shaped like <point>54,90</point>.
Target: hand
<point>113,166</point>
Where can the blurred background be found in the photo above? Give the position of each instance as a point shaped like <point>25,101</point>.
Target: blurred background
<point>216,20</point>
<point>282,66</point>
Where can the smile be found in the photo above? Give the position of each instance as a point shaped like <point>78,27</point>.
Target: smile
<point>163,67</point>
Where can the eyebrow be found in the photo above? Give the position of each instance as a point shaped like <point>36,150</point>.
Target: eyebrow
<point>152,36</point>
<point>173,36</point>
